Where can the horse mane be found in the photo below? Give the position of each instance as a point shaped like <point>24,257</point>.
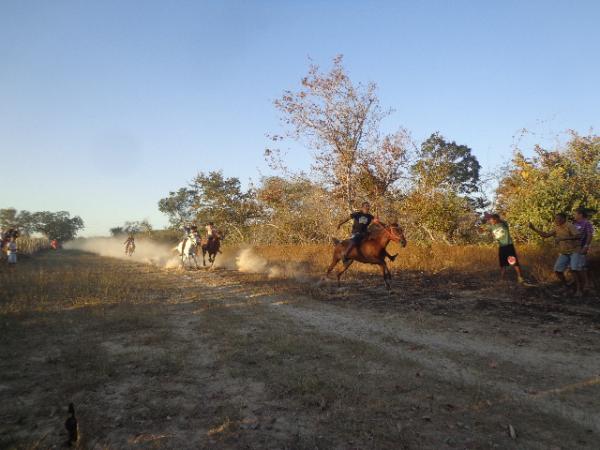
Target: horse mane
<point>375,230</point>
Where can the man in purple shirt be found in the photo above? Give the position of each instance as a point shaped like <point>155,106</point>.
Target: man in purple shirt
<point>586,231</point>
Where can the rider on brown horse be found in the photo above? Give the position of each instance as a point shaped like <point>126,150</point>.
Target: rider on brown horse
<point>360,228</point>
<point>212,245</point>
<point>211,231</point>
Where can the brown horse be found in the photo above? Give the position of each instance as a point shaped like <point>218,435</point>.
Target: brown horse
<point>371,250</point>
<point>212,247</point>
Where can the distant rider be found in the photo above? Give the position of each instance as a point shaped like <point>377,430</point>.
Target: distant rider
<point>129,245</point>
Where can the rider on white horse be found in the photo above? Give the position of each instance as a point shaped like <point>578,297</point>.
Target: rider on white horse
<point>187,248</point>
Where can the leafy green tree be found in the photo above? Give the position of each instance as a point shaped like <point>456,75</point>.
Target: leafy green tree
<point>57,225</point>
<point>117,231</point>
<point>551,181</point>
<point>436,215</point>
<point>23,220</point>
<point>212,197</point>
<point>178,206</point>
<point>137,226</point>
<point>442,201</point>
<point>222,200</point>
<point>447,166</point>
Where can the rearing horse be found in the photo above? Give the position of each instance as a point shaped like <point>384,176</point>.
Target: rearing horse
<point>371,250</point>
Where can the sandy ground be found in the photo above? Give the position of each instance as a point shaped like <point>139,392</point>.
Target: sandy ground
<point>223,359</point>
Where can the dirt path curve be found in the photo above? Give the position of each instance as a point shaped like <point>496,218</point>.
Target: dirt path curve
<point>556,377</point>
<point>157,358</point>
<point>542,375</point>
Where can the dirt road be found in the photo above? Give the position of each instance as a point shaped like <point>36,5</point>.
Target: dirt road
<point>169,359</point>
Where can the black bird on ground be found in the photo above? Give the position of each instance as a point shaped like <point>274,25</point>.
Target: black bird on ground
<point>71,426</point>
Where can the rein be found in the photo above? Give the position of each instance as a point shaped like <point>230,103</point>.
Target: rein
<point>390,235</point>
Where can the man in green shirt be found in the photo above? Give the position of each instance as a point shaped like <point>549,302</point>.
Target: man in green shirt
<point>507,255</point>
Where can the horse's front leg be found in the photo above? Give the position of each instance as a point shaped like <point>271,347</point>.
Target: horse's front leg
<point>193,256</point>
<point>334,261</point>
<point>385,272</point>
<point>387,269</point>
<point>204,257</point>
<point>343,269</point>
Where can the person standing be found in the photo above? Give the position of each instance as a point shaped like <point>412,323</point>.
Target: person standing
<point>507,254</point>
<point>567,237</point>
<point>586,230</point>
<point>12,251</point>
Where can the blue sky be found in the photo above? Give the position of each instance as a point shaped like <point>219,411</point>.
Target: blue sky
<point>107,105</point>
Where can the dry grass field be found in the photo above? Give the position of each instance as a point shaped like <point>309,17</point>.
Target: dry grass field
<point>262,353</point>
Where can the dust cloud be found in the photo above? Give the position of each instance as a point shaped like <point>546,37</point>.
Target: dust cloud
<point>147,252</point>
<point>245,260</point>
<point>248,261</point>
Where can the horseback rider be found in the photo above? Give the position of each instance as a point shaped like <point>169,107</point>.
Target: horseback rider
<point>360,229</point>
<point>188,230</point>
<point>129,244</point>
<point>190,233</point>
<point>211,232</point>
<point>360,225</point>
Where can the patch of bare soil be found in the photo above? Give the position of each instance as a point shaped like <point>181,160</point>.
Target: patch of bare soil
<point>222,359</point>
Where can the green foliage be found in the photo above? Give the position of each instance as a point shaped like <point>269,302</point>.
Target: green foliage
<point>535,189</point>
<point>117,231</point>
<point>59,225</point>
<point>137,226</point>
<point>178,206</point>
<point>436,215</point>
<point>23,220</point>
<point>132,227</point>
<point>441,200</point>
<point>54,225</point>
<point>221,200</point>
<point>212,198</point>
<point>446,165</point>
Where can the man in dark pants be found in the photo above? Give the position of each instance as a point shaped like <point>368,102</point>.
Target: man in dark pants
<point>360,225</point>
<point>507,254</point>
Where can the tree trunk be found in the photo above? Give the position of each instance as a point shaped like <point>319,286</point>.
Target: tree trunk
<point>349,187</point>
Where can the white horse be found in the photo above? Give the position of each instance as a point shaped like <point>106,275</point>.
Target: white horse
<point>187,250</point>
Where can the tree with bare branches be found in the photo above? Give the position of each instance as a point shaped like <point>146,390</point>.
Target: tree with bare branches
<point>339,121</point>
